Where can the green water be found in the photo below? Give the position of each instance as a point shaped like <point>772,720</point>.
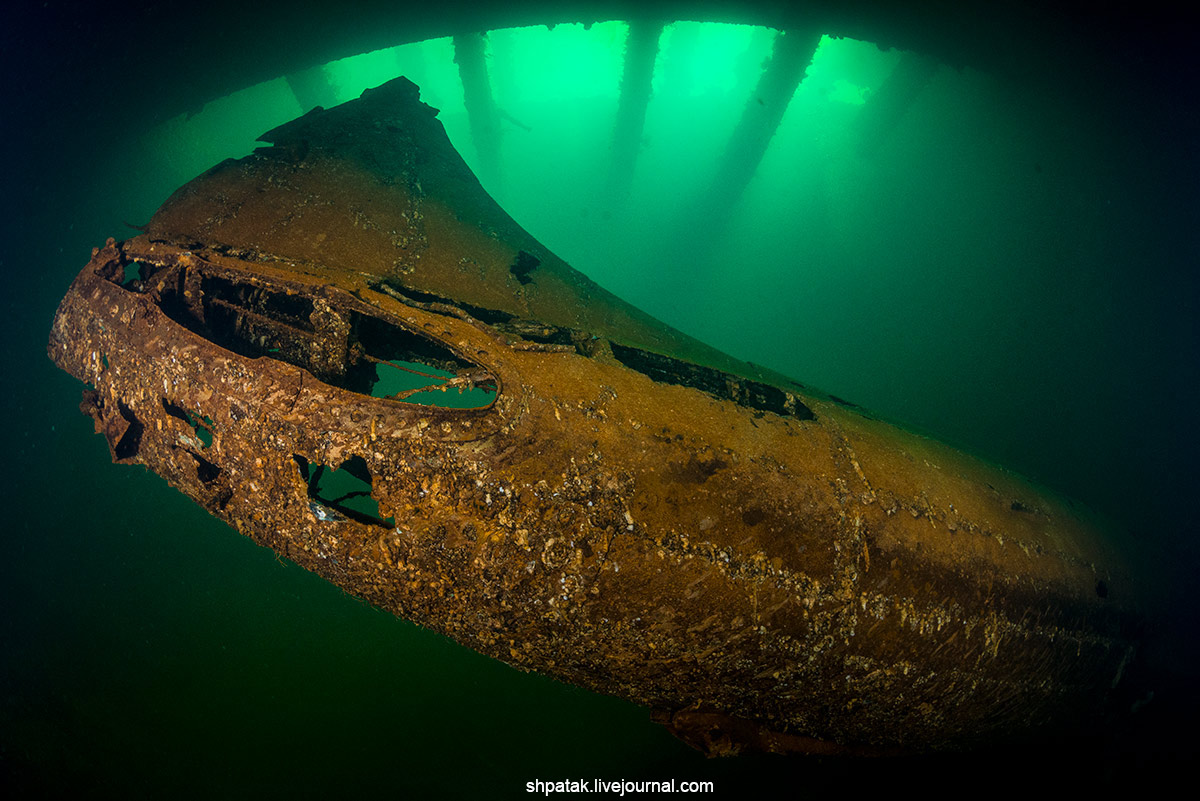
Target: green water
<point>1002,268</point>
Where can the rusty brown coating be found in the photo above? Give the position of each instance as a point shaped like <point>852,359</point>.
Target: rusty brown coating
<point>375,187</point>
<point>795,575</point>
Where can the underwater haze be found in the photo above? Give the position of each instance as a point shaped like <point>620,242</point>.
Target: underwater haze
<point>1006,265</point>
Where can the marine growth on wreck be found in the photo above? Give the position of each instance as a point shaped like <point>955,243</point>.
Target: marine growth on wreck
<point>342,347</point>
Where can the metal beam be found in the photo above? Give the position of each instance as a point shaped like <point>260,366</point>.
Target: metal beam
<point>312,88</point>
<point>471,57</point>
<point>641,50</point>
<point>782,72</point>
<point>886,107</point>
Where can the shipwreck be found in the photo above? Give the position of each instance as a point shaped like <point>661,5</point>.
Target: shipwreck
<point>342,347</point>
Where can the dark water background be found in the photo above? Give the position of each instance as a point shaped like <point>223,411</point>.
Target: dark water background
<point>1010,267</point>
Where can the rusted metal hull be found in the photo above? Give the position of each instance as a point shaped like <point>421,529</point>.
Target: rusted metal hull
<point>617,505</point>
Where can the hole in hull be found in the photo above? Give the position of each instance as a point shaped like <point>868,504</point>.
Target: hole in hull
<point>719,384</point>
<point>347,348</point>
<point>341,493</point>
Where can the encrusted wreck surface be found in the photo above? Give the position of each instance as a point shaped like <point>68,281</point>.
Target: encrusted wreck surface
<point>560,481</point>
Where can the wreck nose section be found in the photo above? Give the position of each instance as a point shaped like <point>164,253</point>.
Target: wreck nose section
<point>343,348</point>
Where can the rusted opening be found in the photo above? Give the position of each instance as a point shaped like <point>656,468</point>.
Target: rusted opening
<point>425,300</point>
<point>206,471</point>
<point>585,344</point>
<point>719,384</point>
<point>544,333</point>
<point>343,347</point>
<point>202,427</point>
<point>415,382</point>
<point>234,299</point>
<point>342,493</point>
<point>134,274</point>
<point>390,362</point>
<point>125,435</point>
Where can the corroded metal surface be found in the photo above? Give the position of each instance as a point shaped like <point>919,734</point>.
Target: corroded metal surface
<point>585,492</point>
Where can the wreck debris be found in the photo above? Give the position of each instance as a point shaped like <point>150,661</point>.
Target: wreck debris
<point>563,483</point>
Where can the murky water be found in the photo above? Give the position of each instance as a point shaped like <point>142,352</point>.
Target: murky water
<point>1007,267</point>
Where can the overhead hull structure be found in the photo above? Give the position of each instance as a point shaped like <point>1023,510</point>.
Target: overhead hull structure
<point>553,478</point>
